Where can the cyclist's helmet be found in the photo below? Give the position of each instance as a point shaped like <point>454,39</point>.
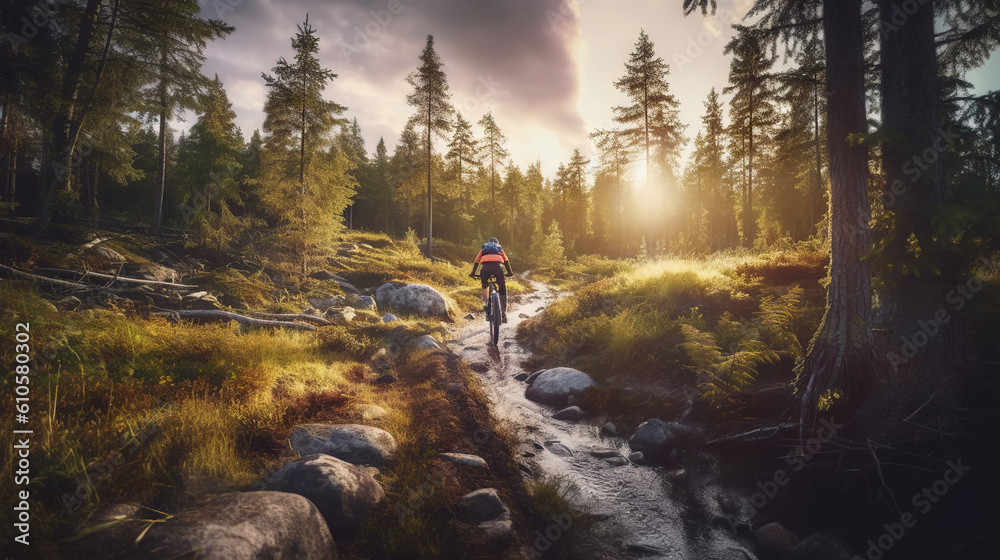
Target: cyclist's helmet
<point>493,240</point>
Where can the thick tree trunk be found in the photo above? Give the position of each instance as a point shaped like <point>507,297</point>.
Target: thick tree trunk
<point>430,202</point>
<point>913,193</point>
<point>841,355</point>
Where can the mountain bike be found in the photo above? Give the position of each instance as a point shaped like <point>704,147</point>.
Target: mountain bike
<point>493,312</point>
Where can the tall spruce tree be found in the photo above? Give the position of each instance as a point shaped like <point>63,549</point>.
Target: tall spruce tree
<point>494,150</point>
<point>651,122</point>
<point>209,160</point>
<point>462,152</point>
<point>431,99</point>
<point>305,190</point>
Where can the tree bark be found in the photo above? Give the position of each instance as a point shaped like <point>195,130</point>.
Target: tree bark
<point>430,202</point>
<point>161,164</point>
<point>841,354</point>
<point>909,92</point>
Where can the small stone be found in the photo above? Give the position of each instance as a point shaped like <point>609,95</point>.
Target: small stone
<point>497,531</point>
<point>637,457</point>
<point>572,414</point>
<point>482,505</point>
<point>609,429</point>
<point>372,412</point>
<point>389,318</point>
<point>385,379</point>
<point>453,388</point>
<point>521,377</point>
<point>470,317</point>
<point>465,459</point>
<point>774,538</point>
<point>523,315</point>
<point>558,449</point>
<point>479,367</point>
<point>618,461</point>
<point>604,452</point>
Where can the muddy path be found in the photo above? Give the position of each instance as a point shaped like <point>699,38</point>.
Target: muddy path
<point>639,511</point>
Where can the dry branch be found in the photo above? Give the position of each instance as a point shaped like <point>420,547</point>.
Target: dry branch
<point>214,315</point>
<point>292,317</point>
<point>84,275</point>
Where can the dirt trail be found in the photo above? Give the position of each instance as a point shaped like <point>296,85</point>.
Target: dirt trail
<point>644,512</point>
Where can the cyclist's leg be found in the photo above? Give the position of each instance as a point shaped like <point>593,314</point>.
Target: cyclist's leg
<point>486,287</point>
<point>502,288</point>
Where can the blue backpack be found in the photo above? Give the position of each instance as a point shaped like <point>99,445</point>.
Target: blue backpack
<point>492,249</point>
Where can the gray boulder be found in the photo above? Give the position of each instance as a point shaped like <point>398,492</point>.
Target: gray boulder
<point>416,299</point>
<point>389,318</point>
<point>482,505</point>
<point>657,439</point>
<point>343,493</point>
<point>242,526</point>
<point>354,443</point>
<point>556,385</point>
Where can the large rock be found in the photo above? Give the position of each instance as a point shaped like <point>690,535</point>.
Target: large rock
<point>354,443</point>
<point>657,439</point>
<point>482,505</point>
<point>343,493</point>
<point>554,386</point>
<point>415,299</point>
<point>242,526</point>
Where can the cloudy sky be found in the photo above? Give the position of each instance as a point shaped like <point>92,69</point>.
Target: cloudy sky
<point>544,67</point>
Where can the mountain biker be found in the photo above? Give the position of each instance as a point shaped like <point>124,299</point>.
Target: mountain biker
<point>491,256</point>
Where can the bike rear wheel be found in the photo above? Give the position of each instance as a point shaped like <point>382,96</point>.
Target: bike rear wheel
<point>495,315</point>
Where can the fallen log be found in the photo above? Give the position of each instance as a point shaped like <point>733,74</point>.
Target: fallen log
<point>759,434</point>
<point>45,280</point>
<point>80,276</point>
<point>292,317</point>
<point>213,315</point>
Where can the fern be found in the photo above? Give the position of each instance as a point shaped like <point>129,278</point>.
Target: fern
<point>776,321</point>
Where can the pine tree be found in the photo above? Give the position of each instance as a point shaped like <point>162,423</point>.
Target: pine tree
<point>652,122</point>
<point>431,99</point>
<point>462,152</point>
<point>305,190</point>
<point>352,144</point>
<point>493,148</point>
<point>611,190</point>
<point>381,185</point>
<point>575,203</point>
<point>753,114</point>
<point>180,42</point>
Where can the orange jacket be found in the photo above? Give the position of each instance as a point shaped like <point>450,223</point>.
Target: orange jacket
<point>501,258</point>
